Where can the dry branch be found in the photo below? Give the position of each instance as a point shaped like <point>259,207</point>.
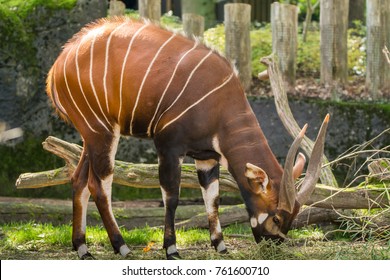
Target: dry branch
<point>287,118</point>
<point>131,215</point>
<point>146,176</point>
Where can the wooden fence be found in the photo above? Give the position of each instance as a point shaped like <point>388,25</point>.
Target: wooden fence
<point>284,21</point>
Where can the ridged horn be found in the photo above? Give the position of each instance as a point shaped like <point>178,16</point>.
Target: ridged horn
<point>287,192</point>
<point>314,167</point>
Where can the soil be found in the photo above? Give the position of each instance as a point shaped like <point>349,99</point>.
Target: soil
<point>312,89</point>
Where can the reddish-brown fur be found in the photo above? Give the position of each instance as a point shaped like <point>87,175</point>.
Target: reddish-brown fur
<point>153,83</point>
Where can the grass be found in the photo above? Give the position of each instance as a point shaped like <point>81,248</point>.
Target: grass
<point>45,241</point>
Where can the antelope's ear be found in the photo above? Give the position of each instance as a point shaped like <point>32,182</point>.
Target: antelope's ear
<point>257,177</point>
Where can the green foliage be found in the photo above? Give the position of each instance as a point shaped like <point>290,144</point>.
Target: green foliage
<point>261,41</point>
<point>45,241</point>
<point>16,30</point>
<point>30,158</point>
<point>23,8</point>
<point>215,38</point>
<point>357,49</point>
<point>308,55</point>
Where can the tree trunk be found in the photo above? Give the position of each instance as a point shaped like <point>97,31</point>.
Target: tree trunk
<point>357,10</point>
<point>205,8</point>
<point>150,9</point>
<point>334,57</point>
<point>116,8</point>
<point>378,36</point>
<point>238,43</point>
<point>193,25</point>
<point>284,21</point>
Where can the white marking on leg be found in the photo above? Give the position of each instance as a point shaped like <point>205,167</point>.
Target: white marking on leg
<point>81,86</point>
<point>221,246</point>
<point>144,79</point>
<point>210,195</point>
<point>205,165</point>
<point>96,32</point>
<point>171,250</point>
<point>165,196</point>
<point>71,97</point>
<point>197,102</point>
<point>124,250</point>
<point>106,63</point>
<point>107,182</point>
<point>84,199</point>
<point>82,250</point>
<point>223,161</point>
<point>166,88</point>
<point>253,222</point>
<point>123,68</point>
<point>262,217</point>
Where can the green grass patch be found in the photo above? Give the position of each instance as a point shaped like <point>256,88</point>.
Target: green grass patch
<point>45,241</point>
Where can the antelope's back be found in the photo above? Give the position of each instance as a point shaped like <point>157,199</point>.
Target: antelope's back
<point>135,76</point>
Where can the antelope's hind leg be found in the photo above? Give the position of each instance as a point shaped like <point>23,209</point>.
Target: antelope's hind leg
<point>101,154</point>
<point>81,196</point>
<point>208,175</point>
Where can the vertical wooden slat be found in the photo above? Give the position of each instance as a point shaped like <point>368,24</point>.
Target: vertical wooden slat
<point>238,44</point>
<point>150,9</point>
<point>284,20</point>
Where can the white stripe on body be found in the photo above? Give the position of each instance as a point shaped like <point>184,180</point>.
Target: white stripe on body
<point>223,161</point>
<point>81,86</point>
<point>91,75</point>
<point>167,86</point>
<point>71,97</point>
<point>55,93</point>
<point>183,89</point>
<point>197,102</point>
<point>123,68</point>
<point>144,79</point>
<point>106,63</point>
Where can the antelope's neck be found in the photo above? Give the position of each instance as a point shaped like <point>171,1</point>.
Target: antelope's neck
<point>243,142</point>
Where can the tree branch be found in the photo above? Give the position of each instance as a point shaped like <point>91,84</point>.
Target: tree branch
<point>287,118</point>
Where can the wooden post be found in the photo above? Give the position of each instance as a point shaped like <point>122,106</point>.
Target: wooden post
<point>378,29</point>
<point>284,21</point>
<point>193,25</point>
<point>117,8</point>
<point>205,8</point>
<point>334,56</point>
<point>150,9</point>
<point>238,44</point>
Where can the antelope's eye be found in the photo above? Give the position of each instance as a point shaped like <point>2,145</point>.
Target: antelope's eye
<point>276,220</point>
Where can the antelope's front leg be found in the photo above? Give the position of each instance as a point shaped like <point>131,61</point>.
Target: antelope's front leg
<point>169,174</point>
<point>208,175</point>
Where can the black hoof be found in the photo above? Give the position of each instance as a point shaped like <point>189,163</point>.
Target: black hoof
<point>87,256</point>
<point>174,256</point>
<point>223,252</point>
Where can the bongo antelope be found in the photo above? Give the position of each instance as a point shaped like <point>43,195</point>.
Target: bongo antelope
<point>124,77</point>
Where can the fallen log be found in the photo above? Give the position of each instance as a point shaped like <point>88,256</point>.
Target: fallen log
<point>133,215</point>
<point>146,176</point>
